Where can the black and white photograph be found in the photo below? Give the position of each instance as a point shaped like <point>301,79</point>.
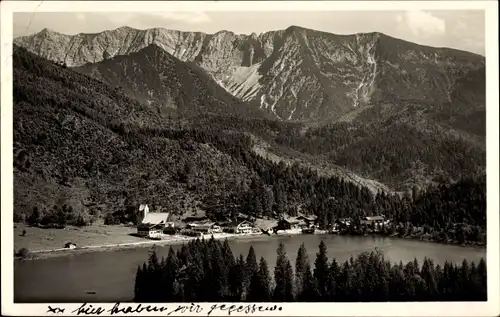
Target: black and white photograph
<point>182,155</point>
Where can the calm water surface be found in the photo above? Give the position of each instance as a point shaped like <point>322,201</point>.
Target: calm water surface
<point>111,275</point>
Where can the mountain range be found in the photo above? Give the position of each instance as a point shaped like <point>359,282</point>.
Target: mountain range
<point>378,112</point>
<point>297,73</point>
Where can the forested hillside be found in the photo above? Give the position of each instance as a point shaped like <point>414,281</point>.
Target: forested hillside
<point>170,86</point>
<point>393,152</point>
<point>84,150</point>
<point>72,150</point>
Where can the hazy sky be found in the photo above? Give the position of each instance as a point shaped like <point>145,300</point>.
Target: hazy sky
<point>461,29</point>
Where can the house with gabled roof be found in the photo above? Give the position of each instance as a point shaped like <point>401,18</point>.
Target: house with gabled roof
<point>244,227</point>
<point>308,221</point>
<point>205,227</point>
<point>151,224</point>
<point>288,223</point>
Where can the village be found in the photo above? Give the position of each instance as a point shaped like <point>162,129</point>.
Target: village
<point>153,223</point>
<point>157,225</point>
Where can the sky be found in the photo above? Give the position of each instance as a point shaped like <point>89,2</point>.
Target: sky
<point>460,29</point>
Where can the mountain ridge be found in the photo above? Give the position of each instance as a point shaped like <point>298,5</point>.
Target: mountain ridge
<point>251,34</point>
<point>294,74</point>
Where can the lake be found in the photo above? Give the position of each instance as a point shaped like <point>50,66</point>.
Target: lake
<point>111,274</point>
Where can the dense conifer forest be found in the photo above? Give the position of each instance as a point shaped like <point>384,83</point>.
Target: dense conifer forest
<point>207,270</point>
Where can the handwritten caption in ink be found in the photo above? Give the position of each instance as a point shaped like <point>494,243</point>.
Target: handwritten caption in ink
<point>124,309</point>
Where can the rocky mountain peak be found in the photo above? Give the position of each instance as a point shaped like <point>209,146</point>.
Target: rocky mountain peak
<point>47,31</point>
<point>293,74</point>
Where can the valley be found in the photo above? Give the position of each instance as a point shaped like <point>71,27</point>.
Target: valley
<point>273,123</point>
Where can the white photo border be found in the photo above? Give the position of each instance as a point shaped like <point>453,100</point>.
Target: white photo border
<point>489,308</point>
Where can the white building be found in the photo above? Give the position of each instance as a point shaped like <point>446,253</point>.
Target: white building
<point>244,227</point>
<point>151,224</point>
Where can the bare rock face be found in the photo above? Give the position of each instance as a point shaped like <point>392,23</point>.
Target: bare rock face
<point>166,84</point>
<point>298,73</point>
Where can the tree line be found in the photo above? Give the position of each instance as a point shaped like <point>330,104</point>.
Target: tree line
<point>448,211</point>
<point>207,270</point>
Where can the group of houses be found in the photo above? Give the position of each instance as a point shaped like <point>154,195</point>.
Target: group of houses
<point>296,223</point>
<point>308,224</point>
<point>155,224</point>
<point>209,227</point>
<point>374,222</point>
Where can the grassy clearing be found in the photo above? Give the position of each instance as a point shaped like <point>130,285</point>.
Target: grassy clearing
<point>43,243</point>
<point>37,239</point>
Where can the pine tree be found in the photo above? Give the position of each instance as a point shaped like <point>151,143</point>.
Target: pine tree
<point>260,284</point>
<point>475,287</point>
<point>283,277</point>
<point>265,280</point>
<point>154,277</point>
<point>429,276</point>
<point>301,263</point>
<point>346,283</point>
<point>267,200</point>
<point>236,279</point>
<point>138,288</point>
<point>397,284</point>
<point>321,272</point>
<point>195,276</point>
<point>218,281</point>
<point>289,283</point>
<point>227,254</point>
<point>334,273</point>
<point>170,271</point>
<point>251,266</point>
<point>481,272</point>
<point>308,291</point>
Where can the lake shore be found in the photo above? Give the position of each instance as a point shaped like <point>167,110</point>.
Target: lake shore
<point>46,243</point>
<point>424,238</point>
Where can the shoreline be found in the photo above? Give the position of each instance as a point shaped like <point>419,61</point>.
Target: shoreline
<point>178,240</point>
<point>467,244</point>
<point>173,240</point>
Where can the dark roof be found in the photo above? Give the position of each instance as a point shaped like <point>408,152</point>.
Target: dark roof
<point>290,220</point>
<point>148,225</point>
<point>193,218</point>
<point>205,225</point>
<point>307,218</point>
